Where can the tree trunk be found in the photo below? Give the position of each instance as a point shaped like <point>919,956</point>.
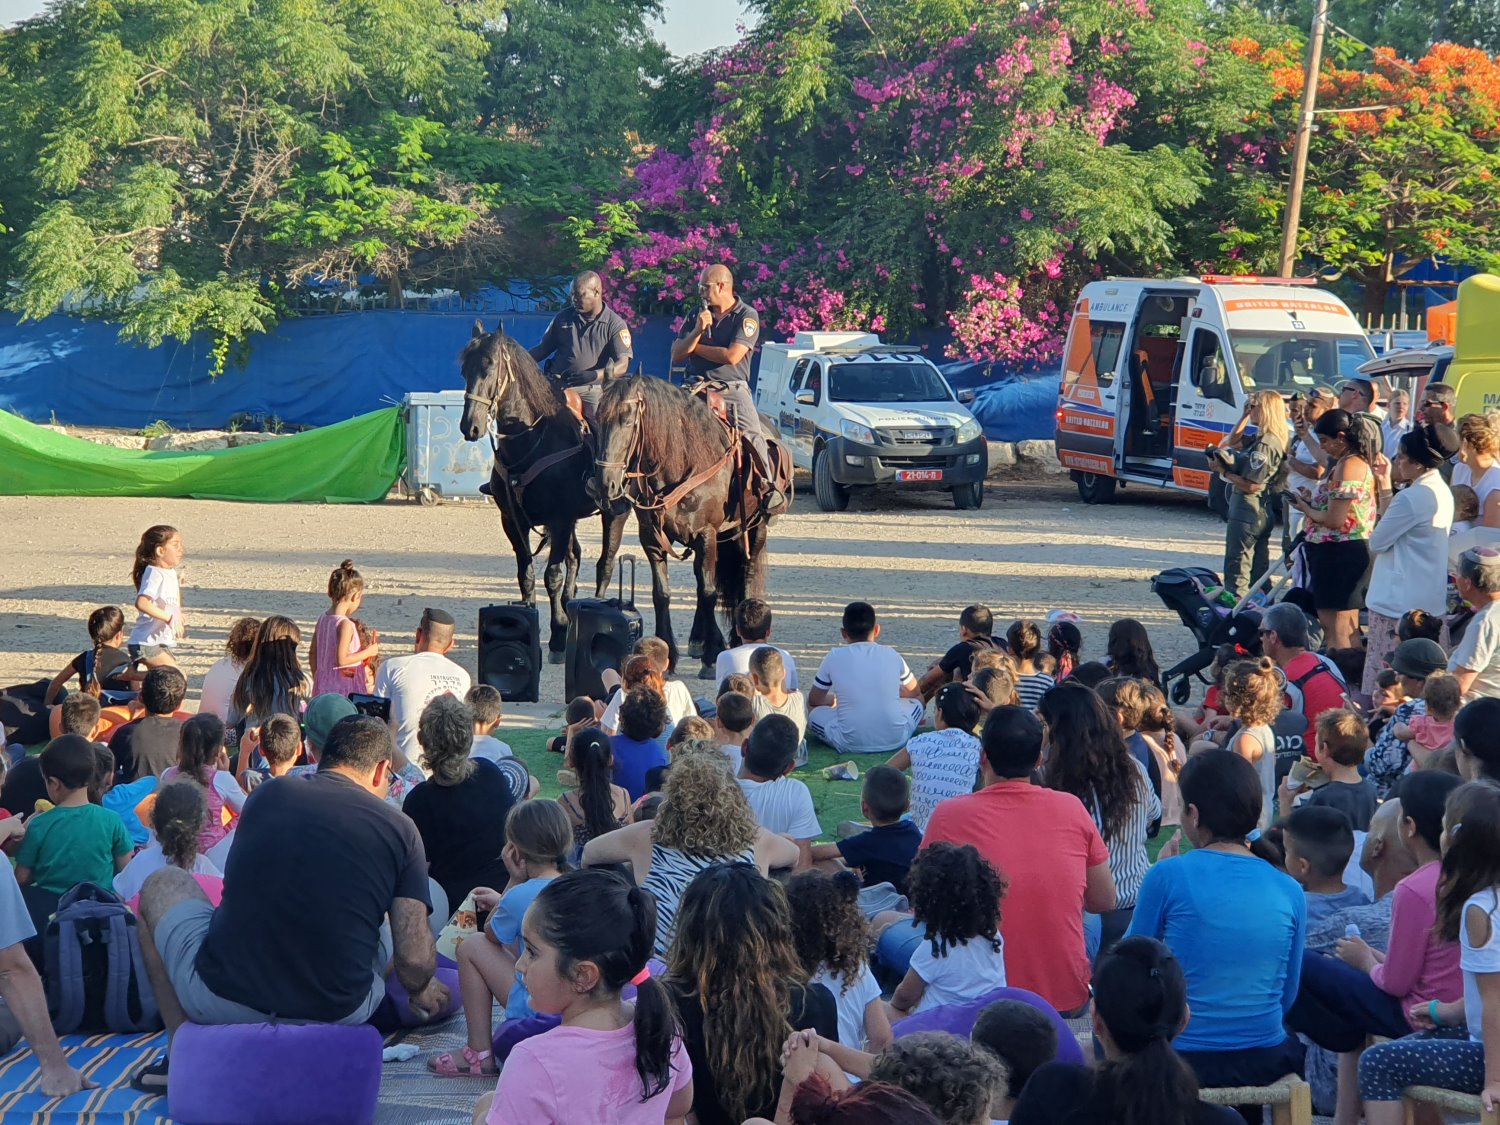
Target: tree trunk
<point>1377,288</point>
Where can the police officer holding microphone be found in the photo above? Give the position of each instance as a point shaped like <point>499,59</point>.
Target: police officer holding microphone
<point>1252,465</point>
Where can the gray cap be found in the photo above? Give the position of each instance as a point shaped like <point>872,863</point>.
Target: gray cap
<point>1419,658</point>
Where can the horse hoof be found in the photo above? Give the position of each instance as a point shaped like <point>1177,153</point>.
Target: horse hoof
<point>707,672</point>
<point>695,648</point>
<point>557,657</point>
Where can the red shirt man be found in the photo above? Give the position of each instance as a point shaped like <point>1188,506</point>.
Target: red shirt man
<point>1310,682</point>
<point>1047,849</point>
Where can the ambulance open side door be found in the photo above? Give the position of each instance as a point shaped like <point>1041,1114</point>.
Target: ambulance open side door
<point>1208,403</point>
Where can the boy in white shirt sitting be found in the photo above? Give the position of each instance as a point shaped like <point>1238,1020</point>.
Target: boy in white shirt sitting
<point>485,702</point>
<point>865,699</point>
<point>733,723</point>
<point>781,804</point>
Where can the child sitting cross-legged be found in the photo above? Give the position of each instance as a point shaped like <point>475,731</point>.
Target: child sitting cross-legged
<point>883,853</point>
<point>768,674</point>
<point>538,837</point>
<point>1340,745</point>
<point>833,942</point>
<point>586,936</point>
<point>945,762</point>
<point>781,804</point>
<point>177,818</point>
<point>74,841</point>
<point>955,900</point>
<point>1318,842</point>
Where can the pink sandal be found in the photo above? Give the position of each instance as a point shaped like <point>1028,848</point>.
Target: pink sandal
<point>446,1066</point>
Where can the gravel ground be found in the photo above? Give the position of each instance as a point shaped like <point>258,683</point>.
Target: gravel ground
<point>1032,547</point>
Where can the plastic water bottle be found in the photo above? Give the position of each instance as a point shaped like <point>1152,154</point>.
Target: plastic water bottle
<point>1351,930</point>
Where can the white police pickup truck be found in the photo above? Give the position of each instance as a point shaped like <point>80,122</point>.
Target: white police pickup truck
<point>859,413</point>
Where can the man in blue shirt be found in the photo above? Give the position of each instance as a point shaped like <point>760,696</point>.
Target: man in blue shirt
<point>586,344</point>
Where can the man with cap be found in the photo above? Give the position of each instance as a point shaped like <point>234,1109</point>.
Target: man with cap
<point>410,681</point>
<point>587,344</point>
<point>1476,660</point>
<point>1312,683</point>
<point>322,714</point>
<point>716,345</point>
<point>1414,660</point>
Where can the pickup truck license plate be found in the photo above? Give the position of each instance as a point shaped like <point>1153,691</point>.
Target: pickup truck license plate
<point>919,474</point>
<point>916,435</point>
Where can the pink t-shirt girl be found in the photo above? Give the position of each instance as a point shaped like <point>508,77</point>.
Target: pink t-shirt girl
<point>573,1074</point>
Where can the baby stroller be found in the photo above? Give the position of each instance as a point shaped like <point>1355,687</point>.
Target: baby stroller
<point>1214,618</point>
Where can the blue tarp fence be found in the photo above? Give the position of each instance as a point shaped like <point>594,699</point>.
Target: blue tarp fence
<point>318,370</point>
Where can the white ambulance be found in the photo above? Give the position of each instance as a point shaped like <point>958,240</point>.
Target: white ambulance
<point>859,413</point>
<point>1156,371</point>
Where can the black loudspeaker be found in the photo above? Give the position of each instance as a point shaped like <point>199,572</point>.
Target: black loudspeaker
<point>601,633</point>
<point>510,651</point>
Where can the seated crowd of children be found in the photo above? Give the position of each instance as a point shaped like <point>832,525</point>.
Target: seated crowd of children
<point>1058,844</point>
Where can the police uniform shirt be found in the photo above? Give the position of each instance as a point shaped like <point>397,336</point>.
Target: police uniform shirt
<point>740,325</point>
<point>1261,463</point>
<point>579,346</point>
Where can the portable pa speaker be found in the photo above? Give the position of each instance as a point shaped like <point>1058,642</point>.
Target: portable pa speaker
<point>601,633</point>
<point>510,651</point>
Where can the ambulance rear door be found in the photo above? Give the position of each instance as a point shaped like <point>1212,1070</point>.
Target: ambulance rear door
<point>1087,409</point>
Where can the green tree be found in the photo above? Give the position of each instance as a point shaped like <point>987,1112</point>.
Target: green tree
<point>172,163</point>
<point>1407,26</point>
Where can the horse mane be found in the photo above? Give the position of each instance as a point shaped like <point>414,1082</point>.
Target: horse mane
<point>679,433</point>
<point>533,388</point>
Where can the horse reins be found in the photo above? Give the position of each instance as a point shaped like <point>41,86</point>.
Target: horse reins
<point>518,486</point>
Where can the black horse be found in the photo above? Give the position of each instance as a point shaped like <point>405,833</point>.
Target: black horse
<point>542,472</point>
<point>664,451</point>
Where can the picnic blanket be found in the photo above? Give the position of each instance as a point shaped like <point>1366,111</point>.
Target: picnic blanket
<point>109,1060</point>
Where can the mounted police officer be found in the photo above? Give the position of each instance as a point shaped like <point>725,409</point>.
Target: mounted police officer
<point>716,346</point>
<point>587,343</point>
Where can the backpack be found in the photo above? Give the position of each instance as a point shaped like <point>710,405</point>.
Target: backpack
<point>1290,726</point>
<point>96,978</point>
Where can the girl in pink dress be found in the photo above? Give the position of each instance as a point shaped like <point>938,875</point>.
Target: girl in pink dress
<point>336,658</point>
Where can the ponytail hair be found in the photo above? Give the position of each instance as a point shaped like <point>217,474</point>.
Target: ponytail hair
<point>152,540</point>
<point>598,915</point>
<point>591,758</point>
<point>1140,995</point>
<point>105,624</point>
<point>199,743</point>
<point>1064,642</point>
<point>345,582</point>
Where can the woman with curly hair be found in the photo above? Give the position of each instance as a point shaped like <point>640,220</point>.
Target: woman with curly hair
<point>951,1076</point>
<point>740,989</point>
<point>703,822</point>
<point>1253,698</point>
<point>955,900</point>
<point>833,940</point>
<point>1087,757</point>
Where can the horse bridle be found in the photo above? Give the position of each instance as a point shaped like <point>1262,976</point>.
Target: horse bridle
<point>492,403</point>
<point>633,452</point>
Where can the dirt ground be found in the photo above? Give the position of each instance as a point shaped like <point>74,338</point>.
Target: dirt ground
<point>1032,547</point>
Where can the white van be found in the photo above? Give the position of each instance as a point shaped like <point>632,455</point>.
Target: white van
<point>1156,371</point>
<point>858,413</point>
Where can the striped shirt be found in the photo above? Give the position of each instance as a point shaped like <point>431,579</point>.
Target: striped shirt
<point>1031,688</point>
<point>1128,861</point>
<point>671,871</point>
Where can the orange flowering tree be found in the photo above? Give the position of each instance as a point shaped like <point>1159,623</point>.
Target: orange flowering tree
<point>1408,167</point>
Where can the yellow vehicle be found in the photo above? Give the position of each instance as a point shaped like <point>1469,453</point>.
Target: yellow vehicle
<point>1471,365</point>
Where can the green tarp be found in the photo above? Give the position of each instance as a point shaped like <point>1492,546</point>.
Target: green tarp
<point>352,462</point>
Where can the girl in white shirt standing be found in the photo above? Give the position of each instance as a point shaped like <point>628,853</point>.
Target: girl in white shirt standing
<point>158,597</point>
<point>1461,1049</point>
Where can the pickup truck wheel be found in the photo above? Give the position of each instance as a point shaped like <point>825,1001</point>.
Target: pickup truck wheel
<point>830,494</point>
<point>1094,488</point>
<point>967,497</point>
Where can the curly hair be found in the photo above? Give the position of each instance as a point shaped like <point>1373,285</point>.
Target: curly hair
<point>704,811</point>
<point>241,639</point>
<point>1479,432</point>
<point>733,953</point>
<point>177,817</point>
<point>829,929</point>
<point>445,731</point>
<point>954,1078</point>
<point>1252,691</point>
<point>1089,759</point>
<point>643,712</point>
<point>955,894</point>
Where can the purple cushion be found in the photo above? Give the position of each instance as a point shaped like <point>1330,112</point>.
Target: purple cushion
<point>959,1019</point>
<point>511,1032</point>
<point>262,1073</point>
<point>398,1006</point>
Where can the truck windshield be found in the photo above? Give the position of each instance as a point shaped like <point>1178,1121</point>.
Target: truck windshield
<point>886,382</point>
<point>1296,360</point>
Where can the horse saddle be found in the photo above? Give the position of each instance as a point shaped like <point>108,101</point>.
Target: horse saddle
<point>575,404</point>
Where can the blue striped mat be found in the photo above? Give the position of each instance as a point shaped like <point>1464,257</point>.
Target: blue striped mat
<point>109,1060</point>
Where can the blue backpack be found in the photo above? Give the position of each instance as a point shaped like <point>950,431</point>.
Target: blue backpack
<point>96,977</point>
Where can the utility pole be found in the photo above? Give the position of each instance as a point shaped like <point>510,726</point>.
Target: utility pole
<point>1304,138</point>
